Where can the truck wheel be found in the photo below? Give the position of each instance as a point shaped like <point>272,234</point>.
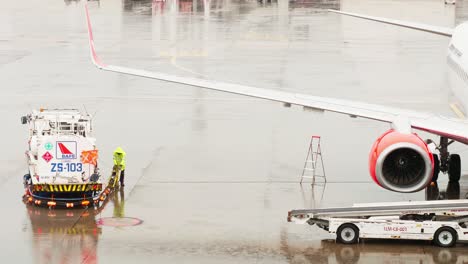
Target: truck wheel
<point>347,234</point>
<point>454,168</point>
<point>445,237</point>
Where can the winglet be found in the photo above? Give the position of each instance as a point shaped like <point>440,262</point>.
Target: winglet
<point>94,56</point>
<point>418,26</point>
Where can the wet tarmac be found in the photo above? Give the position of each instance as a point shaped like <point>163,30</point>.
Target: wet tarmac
<point>213,175</point>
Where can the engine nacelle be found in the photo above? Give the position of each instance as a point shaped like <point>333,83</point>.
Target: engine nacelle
<point>401,162</point>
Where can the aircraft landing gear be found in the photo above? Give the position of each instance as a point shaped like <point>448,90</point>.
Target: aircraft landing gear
<point>454,168</point>
<point>446,162</point>
<point>435,175</point>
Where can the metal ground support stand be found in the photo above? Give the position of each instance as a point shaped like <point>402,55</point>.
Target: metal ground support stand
<point>313,166</point>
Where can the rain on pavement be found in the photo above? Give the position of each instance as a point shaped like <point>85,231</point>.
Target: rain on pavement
<point>213,175</point>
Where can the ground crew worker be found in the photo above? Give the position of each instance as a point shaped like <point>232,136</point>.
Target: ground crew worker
<point>119,161</point>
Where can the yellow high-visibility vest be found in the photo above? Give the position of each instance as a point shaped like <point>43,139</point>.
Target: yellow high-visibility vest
<point>119,157</point>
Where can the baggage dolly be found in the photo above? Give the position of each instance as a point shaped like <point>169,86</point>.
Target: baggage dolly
<point>443,222</point>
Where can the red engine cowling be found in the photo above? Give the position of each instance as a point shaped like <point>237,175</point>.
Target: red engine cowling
<point>401,162</point>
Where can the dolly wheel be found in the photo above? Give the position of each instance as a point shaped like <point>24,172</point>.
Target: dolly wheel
<point>347,234</point>
<point>445,237</point>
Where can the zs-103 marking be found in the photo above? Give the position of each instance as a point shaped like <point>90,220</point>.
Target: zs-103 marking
<point>66,167</point>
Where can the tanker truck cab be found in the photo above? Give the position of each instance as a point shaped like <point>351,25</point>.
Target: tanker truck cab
<point>62,158</point>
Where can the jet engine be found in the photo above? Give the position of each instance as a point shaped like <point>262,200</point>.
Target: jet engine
<point>401,162</point>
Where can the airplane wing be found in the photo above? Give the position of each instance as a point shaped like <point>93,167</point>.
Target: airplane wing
<point>400,118</point>
<point>418,26</point>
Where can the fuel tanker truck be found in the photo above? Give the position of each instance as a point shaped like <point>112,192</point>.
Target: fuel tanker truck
<point>62,159</point>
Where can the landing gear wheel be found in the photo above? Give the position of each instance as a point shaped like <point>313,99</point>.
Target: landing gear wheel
<point>347,234</point>
<point>436,172</point>
<point>454,168</point>
<point>445,237</point>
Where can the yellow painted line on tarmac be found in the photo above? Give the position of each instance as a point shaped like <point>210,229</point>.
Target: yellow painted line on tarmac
<point>174,63</point>
<point>457,110</point>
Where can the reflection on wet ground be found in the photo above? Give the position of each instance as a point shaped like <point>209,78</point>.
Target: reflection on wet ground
<point>63,236</point>
<point>70,236</point>
<point>452,192</point>
<point>376,251</point>
<point>213,175</point>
